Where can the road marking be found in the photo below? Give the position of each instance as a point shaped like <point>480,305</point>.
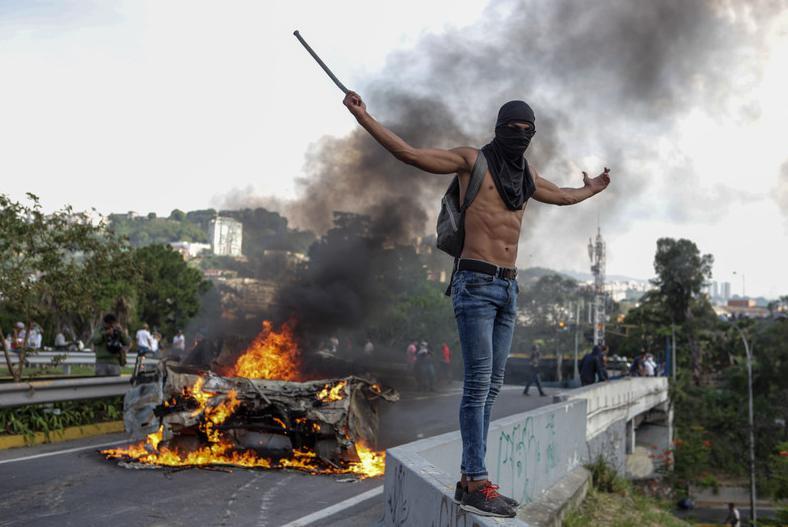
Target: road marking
<point>333,509</point>
<point>262,520</point>
<point>58,452</point>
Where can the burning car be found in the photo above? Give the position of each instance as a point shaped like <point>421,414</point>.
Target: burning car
<point>193,417</point>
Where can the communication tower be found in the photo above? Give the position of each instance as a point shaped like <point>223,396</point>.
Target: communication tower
<point>596,252</point>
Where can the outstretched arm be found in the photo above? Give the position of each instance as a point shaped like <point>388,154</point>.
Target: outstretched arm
<point>549,192</point>
<point>434,160</point>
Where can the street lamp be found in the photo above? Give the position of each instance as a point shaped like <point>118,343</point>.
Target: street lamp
<point>753,513</point>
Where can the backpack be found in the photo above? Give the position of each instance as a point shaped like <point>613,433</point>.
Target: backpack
<point>451,220</point>
<point>115,346</point>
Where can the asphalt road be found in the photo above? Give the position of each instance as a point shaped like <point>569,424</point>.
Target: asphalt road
<point>80,488</point>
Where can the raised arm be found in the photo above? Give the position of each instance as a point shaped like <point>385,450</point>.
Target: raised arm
<point>549,192</point>
<point>434,160</point>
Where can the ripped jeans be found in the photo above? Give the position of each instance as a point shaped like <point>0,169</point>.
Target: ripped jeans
<point>485,308</point>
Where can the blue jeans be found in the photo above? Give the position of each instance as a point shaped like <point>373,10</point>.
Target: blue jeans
<point>485,308</point>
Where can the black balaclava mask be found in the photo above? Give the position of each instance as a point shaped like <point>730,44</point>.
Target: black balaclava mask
<point>506,154</point>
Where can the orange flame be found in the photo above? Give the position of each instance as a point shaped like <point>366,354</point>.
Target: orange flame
<point>271,355</point>
<point>330,394</point>
<point>371,463</point>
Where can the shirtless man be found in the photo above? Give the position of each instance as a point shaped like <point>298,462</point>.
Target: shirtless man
<point>484,287</point>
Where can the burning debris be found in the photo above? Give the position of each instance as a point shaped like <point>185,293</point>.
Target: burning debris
<point>190,417</point>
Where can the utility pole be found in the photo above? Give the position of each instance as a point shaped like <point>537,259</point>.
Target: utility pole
<point>596,253</point>
<point>753,512</point>
<point>577,331</point>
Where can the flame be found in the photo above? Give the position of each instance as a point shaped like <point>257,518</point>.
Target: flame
<point>330,394</point>
<point>271,355</point>
<point>371,463</point>
<point>216,409</point>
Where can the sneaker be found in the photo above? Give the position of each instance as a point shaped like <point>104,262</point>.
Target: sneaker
<point>459,491</point>
<point>485,501</point>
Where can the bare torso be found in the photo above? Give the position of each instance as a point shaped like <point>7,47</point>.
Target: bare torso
<point>491,229</point>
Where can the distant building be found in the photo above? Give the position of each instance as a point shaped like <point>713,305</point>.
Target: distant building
<point>291,259</point>
<point>626,290</point>
<point>718,292</point>
<point>741,302</point>
<point>725,291</point>
<point>190,250</point>
<point>226,236</point>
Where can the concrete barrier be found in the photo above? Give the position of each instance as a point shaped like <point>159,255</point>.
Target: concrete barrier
<point>624,399</point>
<point>629,422</point>
<point>527,454</point>
<point>535,456</point>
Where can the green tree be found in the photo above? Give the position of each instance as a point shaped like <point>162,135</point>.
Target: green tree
<point>53,265</point>
<point>681,273</point>
<point>169,290</point>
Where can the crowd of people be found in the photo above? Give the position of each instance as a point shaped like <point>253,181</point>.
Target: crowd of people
<point>110,343</point>
<point>593,367</point>
<point>19,338</point>
<point>421,365</point>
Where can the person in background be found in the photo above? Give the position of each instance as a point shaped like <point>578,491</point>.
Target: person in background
<point>144,339</point>
<point>649,366</point>
<point>369,348</point>
<point>36,337</point>
<point>734,518</point>
<point>61,344</point>
<point>19,340</point>
<point>179,344</point>
<point>154,344</point>
<point>592,367</point>
<point>425,369</point>
<point>410,361</point>
<point>110,343</point>
<point>446,361</point>
<point>534,378</point>
<point>636,369</point>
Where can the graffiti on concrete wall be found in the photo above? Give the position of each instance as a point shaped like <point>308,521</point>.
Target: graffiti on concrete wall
<point>451,515</point>
<point>526,454</point>
<point>397,509</point>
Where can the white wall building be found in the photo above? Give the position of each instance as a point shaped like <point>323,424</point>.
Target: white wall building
<point>226,236</point>
<point>190,250</point>
<point>630,290</point>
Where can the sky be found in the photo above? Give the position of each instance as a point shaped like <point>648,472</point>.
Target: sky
<point>151,106</point>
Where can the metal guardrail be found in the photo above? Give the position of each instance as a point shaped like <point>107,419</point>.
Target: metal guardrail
<point>66,359</point>
<point>37,392</point>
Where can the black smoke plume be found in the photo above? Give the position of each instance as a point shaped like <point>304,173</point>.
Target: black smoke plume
<point>608,81</point>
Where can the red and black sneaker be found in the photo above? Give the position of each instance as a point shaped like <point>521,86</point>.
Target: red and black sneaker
<point>485,501</point>
<point>460,490</point>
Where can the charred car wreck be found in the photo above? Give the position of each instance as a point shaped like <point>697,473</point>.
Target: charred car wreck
<point>189,417</point>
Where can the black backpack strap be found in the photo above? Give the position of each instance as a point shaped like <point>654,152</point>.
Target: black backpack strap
<point>477,177</point>
<point>474,185</point>
<point>451,278</point>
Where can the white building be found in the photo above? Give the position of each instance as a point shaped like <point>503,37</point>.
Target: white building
<point>719,292</point>
<point>226,236</point>
<point>630,290</point>
<point>190,250</point>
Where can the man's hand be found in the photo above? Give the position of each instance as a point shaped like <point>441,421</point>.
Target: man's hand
<point>355,104</point>
<point>599,183</point>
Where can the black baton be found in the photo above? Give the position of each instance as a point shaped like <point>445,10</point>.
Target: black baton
<point>322,64</point>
